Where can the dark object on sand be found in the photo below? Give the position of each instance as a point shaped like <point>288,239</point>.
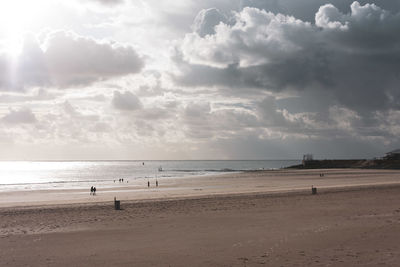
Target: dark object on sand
<point>117,204</point>
<point>313,190</point>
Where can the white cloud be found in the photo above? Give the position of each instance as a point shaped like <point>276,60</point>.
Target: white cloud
<point>257,37</point>
<point>320,77</point>
<point>126,101</point>
<point>23,115</point>
<point>66,59</point>
<point>356,55</point>
<point>109,2</point>
<point>206,20</point>
<point>73,59</point>
<point>328,16</point>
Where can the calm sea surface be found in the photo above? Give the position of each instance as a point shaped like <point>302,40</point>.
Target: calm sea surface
<point>38,175</point>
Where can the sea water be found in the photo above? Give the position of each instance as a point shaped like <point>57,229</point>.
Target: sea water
<point>44,175</point>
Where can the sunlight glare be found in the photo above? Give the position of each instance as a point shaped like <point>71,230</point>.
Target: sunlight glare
<point>16,18</point>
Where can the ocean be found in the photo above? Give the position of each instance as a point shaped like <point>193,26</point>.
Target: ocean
<point>45,175</point>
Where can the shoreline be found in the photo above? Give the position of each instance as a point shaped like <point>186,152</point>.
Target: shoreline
<point>270,194</point>
<point>250,182</point>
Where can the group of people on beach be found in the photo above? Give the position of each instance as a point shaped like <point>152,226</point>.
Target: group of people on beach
<point>121,180</point>
<point>93,190</point>
<point>148,183</point>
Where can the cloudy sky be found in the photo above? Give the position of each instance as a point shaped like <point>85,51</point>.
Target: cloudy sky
<point>186,79</point>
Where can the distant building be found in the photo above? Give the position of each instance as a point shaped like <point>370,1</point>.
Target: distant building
<point>307,157</point>
<point>395,154</point>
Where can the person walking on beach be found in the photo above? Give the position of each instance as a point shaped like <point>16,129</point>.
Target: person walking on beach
<point>91,190</point>
<point>94,190</point>
<point>148,183</point>
<point>156,183</point>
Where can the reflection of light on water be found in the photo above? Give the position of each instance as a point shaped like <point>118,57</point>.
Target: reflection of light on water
<point>24,172</point>
<point>33,166</point>
<point>38,175</point>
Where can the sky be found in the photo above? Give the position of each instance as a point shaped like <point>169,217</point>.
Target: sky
<point>185,79</point>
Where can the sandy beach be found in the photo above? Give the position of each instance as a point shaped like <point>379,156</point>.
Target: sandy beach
<point>274,181</point>
<point>266,218</point>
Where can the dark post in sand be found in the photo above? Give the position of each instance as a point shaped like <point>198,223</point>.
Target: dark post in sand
<point>117,204</point>
<point>313,190</point>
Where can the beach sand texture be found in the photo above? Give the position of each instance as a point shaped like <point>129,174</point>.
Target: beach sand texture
<point>249,219</point>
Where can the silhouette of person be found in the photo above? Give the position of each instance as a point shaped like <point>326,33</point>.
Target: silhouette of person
<point>148,183</point>
<point>91,190</point>
<point>156,182</point>
<point>94,190</point>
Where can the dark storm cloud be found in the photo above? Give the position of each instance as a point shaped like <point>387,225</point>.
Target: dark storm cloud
<point>254,147</point>
<point>306,9</point>
<point>179,17</point>
<point>66,59</point>
<point>355,56</point>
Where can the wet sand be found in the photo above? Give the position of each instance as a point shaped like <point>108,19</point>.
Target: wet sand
<point>227,184</point>
<point>354,220</point>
